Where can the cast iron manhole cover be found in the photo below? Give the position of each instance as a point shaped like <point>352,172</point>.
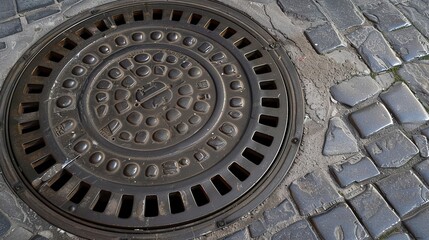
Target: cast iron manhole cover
<point>150,118</point>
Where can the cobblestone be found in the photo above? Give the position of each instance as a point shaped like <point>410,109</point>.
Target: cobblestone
<point>324,38</point>
<point>374,212</point>
<point>355,90</point>
<point>348,173</point>
<point>8,9</point>
<point>4,224</point>
<point>257,228</point>
<point>416,15</point>
<point>374,49</point>
<point>371,119</point>
<point>19,233</point>
<point>312,192</point>
<point>297,231</point>
<point>415,74</point>
<point>422,143</point>
<point>38,237</point>
<point>399,236</point>
<point>385,16</point>
<point>418,225</point>
<point>404,191</point>
<point>385,80</point>
<point>2,45</point>
<point>343,13</point>
<point>283,212</point>
<point>301,9</point>
<point>339,223</point>
<point>339,139</point>
<point>405,107</point>
<point>10,27</point>
<point>392,150</point>
<point>25,5</point>
<point>422,168</point>
<point>42,14</point>
<point>240,235</point>
<point>409,43</point>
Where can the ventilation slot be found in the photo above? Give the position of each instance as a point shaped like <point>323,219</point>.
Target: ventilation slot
<point>212,24</point>
<point>253,156</point>
<point>176,203</point>
<point>59,182</point>
<point>242,43</point>
<point>151,206</point>
<point>119,19</point>
<point>29,126</point>
<point>41,165</point>
<point>195,19</point>
<point>42,71</point>
<point>84,33</point>
<point>200,196</point>
<point>269,120</point>
<point>34,145</point>
<point>126,206</point>
<point>239,172</point>
<point>138,15</point>
<point>68,44</point>
<point>82,190</point>
<point>221,185</point>
<point>262,69</point>
<point>28,107</point>
<point>271,102</point>
<point>101,25</point>
<point>33,89</point>
<point>103,200</point>
<point>228,32</point>
<point>253,55</point>
<point>55,57</point>
<point>157,14</point>
<point>176,15</point>
<point>263,139</point>
<point>268,85</point>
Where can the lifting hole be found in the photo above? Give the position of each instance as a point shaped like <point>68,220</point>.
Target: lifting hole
<point>262,69</point>
<point>55,57</point>
<point>42,71</point>
<point>68,44</point>
<point>33,89</point>
<point>270,121</point>
<point>28,107</point>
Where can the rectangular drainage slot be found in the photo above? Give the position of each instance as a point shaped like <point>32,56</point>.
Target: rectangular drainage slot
<point>119,19</point>
<point>84,33</point>
<point>138,15</point>
<point>176,15</point>
<point>263,139</point>
<point>195,18</point>
<point>271,102</point>
<point>253,156</point>
<point>55,57</point>
<point>242,43</point>
<point>126,206</point>
<point>253,55</point>
<point>270,121</point>
<point>176,203</point>
<point>80,192</point>
<point>59,182</point>
<point>43,164</point>
<point>34,145</point>
<point>239,172</point>
<point>157,14</point>
<point>228,32</point>
<point>29,126</point>
<point>33,89</point>
<point>212,24</point>
<point>42,71</point>
<point>221,185</point>
<point>28,107</point>
<point>262,69</point>
<point>151,206</point>
<point>101,25</point>
<point>103,200</point>
<point>268,85</point>
<point>68,44</point>
<point>200,196</point>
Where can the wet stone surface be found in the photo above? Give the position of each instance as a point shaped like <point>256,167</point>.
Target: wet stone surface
<point>417,225</point>
<point>339,139</point>
<point>355,90</point>
<point>343,13</point>
<point>374,212</point>
<point>371,119</point>
<point>296,231</point>
<point>385,16</point>
<point>404,191</point>
<point>392,150</point>
<point>399,236</point>
<point>348,172</point>
<point>339,223</point>
<point>422,168</point>
<point>324,38</point>
<point>421,142</point>
<point>415,75</point>
<point>409,43</point>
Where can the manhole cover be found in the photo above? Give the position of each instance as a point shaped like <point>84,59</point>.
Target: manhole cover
<point>139,119</point>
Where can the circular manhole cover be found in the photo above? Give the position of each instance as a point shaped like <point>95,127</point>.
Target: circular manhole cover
<point>154,118</point>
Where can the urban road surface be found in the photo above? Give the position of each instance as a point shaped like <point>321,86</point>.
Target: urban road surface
<point>362,170</point>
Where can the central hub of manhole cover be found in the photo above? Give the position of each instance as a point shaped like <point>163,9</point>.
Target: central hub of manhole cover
<point>155,118</point>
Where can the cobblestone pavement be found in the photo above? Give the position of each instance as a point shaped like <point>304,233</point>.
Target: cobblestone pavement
<point>362,170</point>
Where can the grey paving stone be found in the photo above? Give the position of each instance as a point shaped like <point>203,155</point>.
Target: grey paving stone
<point>404,105</point>
<point>371,119</point>
<point>392,150</point>
<point>415,75</point>
<point>324,38</point>
<point>2,45</point>
<point>313,191</point>
<point>7,9</point>
<point>418,225</point>
<point>422,168</point>
<point>339,139</point>
<point>374,212</point>
<point>355,90</point>
<point>34,16</point>
<point>409,43</point>
<point>257,228</point>
<point>404,191</point>
<point>339,223</point>
<point>343,13</point>
<point>415,11</point>
<point>385,80</point>
<point>422,143</point>
<point>4,224</point>
<point>283,212</point>
<point>396,2</point>
<point>240,235</point>
<point>399,236</point>
<point>19,233</point>
<point>10,27</point>
<point>348,173</point>
<point>374,49</point>
<point>385,16</point>
<point>301,9</point>
<point>38,237</point>
<point>25,5</point>
<point>297,231</point>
